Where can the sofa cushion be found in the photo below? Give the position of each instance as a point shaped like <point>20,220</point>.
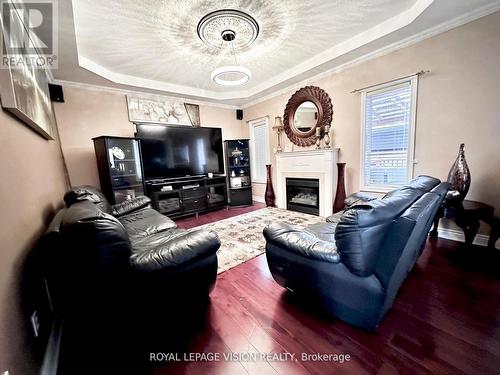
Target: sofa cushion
<point>324,231</point>
<point>87,193</point>
<point>351,200</point>
<point>130,205</point>
<point>425,183</point>
<point>362,229</point>
<point>392,268</point>
<point>357,198</point>
<point>87,227</point>
<point>408,229</point>
<point>172,248</point>
<point>144,222</point>
<point>422,212</point>
<point>335,218</point>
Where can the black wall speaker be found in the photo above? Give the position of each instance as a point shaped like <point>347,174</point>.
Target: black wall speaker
<point>239,114</point>
<point>56,93</point>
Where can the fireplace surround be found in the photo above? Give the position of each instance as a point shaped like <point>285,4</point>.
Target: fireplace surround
<point>320,165</point>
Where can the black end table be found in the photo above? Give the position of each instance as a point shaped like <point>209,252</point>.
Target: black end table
<point>467,215</point>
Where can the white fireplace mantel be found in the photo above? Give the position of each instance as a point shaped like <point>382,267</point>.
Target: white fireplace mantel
<point>320,164</point>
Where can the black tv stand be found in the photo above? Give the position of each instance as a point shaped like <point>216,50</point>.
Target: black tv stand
<point>189,195</point>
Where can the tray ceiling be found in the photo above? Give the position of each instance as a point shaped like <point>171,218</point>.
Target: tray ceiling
<point>153,44</point>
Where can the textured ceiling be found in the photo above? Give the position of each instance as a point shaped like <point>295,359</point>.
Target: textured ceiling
<point>157,39</point>
<point>152,46</point>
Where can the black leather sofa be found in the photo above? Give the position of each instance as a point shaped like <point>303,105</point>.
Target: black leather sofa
<point>125,281</point>
<point>128,250</point>
<point>355,262</point>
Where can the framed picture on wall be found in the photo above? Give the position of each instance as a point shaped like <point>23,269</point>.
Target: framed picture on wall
<point>162,111</point>
<point>24,86</point>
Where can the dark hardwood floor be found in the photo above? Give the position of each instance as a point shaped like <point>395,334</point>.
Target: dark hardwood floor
<point>446,319</point>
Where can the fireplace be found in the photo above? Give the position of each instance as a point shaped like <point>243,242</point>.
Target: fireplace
<point>302,195</point>
<point>307,165</point>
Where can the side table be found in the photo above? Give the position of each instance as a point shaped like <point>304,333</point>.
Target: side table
<point>467,215</point>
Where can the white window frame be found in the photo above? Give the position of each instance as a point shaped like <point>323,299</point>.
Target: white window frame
<point>252,124</point>
<point>411,139</point>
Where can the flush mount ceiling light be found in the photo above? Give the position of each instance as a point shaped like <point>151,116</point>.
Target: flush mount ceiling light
<point>233,29</point>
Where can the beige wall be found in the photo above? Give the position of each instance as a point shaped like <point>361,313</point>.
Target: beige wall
<point>31,186</point>
<point>84,115</point>
<point>457,102</point>
<point>89,113</point>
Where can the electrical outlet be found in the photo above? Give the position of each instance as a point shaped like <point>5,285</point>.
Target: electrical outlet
<point>35,323</point>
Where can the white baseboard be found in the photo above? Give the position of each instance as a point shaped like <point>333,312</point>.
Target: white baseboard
<point>257,198</point>
<point>457,235</point>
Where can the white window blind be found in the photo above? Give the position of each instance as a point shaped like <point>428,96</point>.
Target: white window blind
<point>259,150</point>
<point>388,133</point>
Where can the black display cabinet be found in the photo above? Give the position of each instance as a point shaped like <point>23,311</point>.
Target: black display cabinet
<point>238,172</point>
<point>120,167</point>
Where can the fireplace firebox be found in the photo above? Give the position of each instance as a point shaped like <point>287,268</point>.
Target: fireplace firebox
<point>302,195</point>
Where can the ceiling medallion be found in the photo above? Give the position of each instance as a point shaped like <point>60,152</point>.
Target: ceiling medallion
<point>230,29</point>
<point>211,27</point>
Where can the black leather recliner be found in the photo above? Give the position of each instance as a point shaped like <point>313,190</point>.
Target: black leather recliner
<point>128,250</point>
<point>355,263</point>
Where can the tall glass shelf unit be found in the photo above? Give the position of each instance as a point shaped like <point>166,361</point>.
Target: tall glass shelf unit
<point>238,172</point>
<point>119,163</point>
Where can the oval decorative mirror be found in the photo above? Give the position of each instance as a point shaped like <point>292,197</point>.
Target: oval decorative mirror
<point>306,117</point>
<point>308,108</point>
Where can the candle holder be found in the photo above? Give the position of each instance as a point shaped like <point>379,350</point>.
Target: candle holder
<point>318,138</point>
<point>278,126</point>
<point>326,139</point>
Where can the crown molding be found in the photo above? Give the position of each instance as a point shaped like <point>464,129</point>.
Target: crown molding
<point>143,94</point>
<point>169,88</point>
<point>414,39</point>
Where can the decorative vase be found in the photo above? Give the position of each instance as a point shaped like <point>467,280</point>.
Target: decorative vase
<point>269,196</point>
<point>339,204</point>
<point>459,177</point>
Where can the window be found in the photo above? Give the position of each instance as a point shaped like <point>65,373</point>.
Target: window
<point>259,148</point>
<point>388,133</point>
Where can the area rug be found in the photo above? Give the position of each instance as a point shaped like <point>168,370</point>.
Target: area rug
<point>241,236</point>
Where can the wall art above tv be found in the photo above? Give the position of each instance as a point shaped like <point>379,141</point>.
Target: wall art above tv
<point>162,111</point>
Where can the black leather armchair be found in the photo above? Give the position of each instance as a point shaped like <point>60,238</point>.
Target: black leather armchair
<point>355,263</point>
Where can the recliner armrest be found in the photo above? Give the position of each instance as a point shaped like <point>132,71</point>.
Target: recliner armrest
<point>301,242</point>
<point>130,205</point>
<point>176,251</point>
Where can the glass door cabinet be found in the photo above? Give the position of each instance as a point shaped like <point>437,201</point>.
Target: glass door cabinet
<point>120,168</point>
<point>238,172</point>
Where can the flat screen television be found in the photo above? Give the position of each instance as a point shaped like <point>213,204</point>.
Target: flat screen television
<point>179,151</point>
